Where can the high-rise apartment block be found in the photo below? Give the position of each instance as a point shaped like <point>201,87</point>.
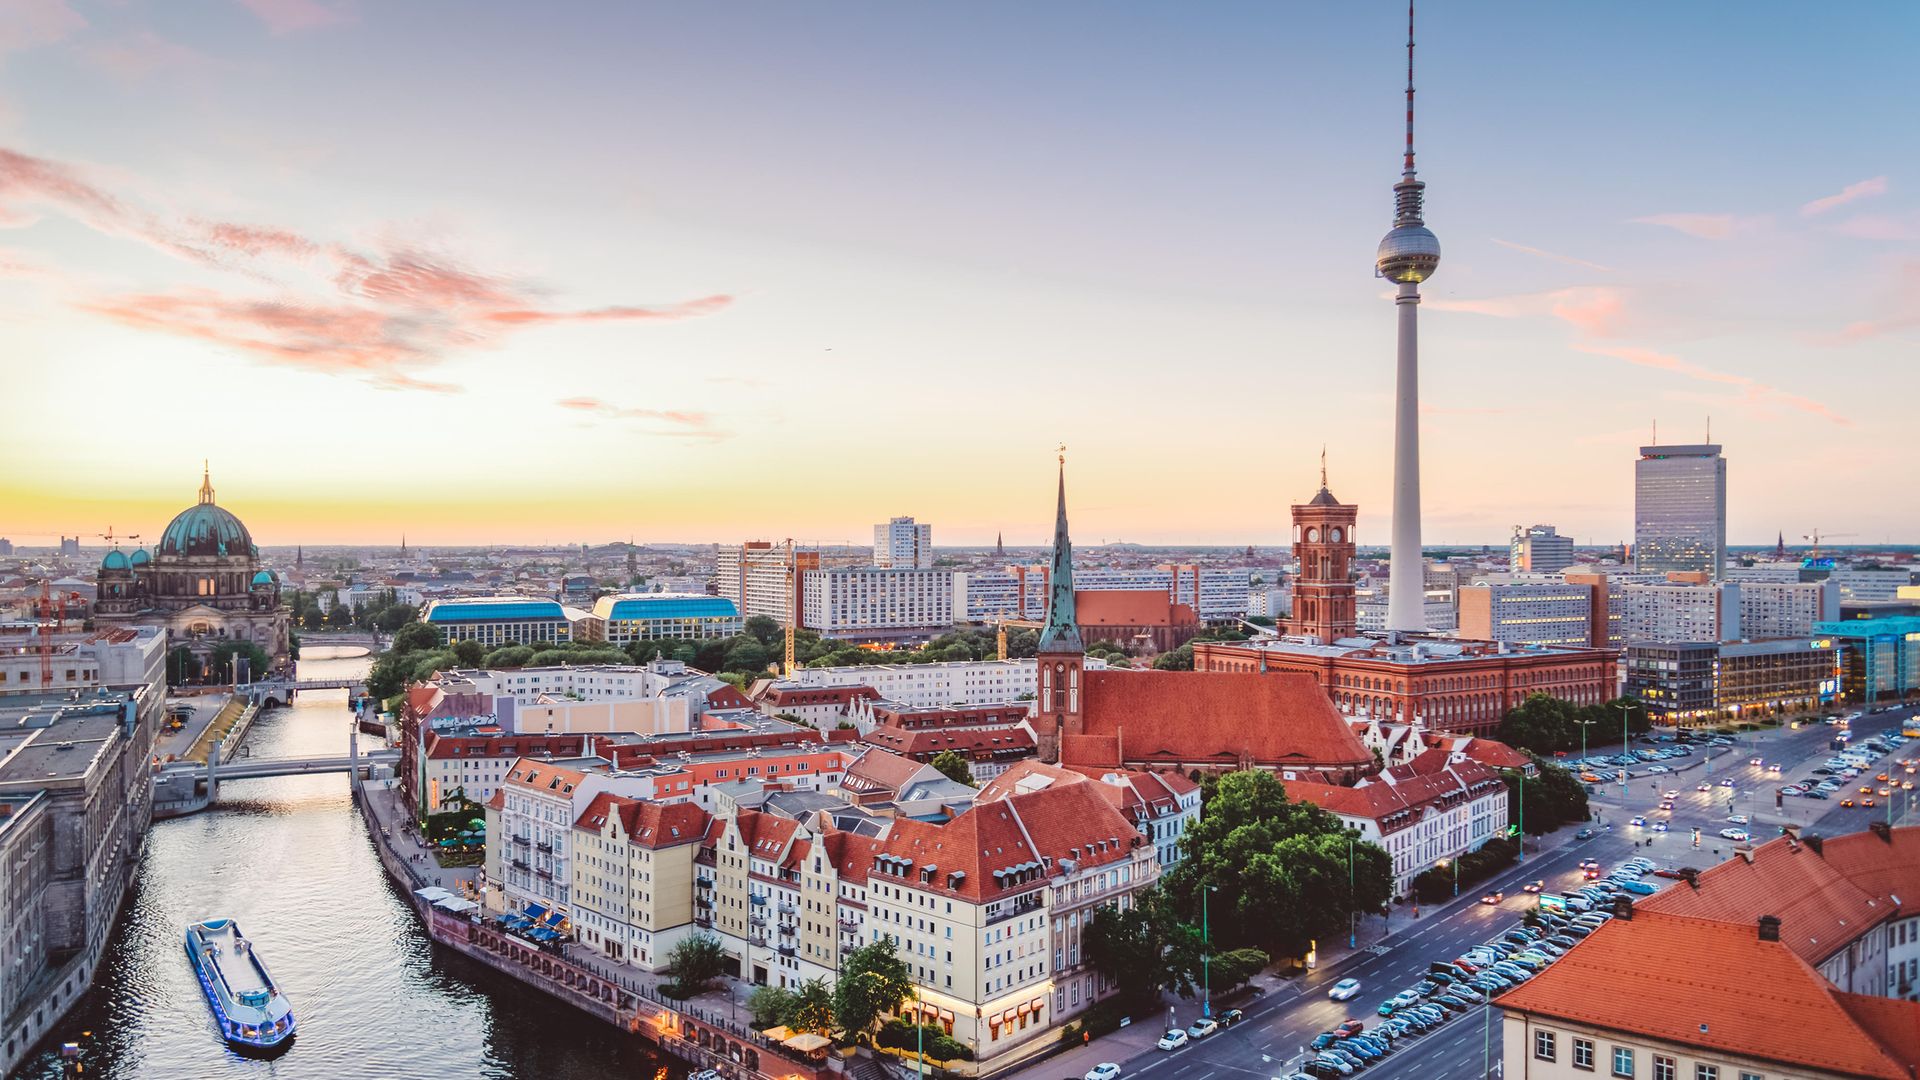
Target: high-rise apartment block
<point>1529,612</point>
<point>1540,549</point>
<point>902,544</point>
<point>1680,509</point>
<point>869,600</point>
<point>763,578</point>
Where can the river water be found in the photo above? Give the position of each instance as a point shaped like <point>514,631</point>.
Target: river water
<point>290,859</point>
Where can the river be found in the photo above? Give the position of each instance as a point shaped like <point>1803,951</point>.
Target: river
<point>289,858</point>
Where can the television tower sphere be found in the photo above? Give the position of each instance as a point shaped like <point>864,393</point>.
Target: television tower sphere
<point>1408,253</point>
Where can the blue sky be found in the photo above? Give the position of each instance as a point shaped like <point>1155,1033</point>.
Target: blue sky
<point>704,272</point>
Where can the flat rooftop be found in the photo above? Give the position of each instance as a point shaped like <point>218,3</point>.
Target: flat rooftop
<point>1417,650</point>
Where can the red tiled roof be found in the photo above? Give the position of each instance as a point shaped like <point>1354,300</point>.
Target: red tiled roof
<point>781,697</point>
<point>1128,607</point>
<point>975,743</point>
<point>443,747</point>
<point>880,770</point>
<point>658,825</point>
<point>1402,795</point>
<point>1274,720</point>
<point>1820,911</point>
<point>1712,985</point>
<point>1018,833</point>
<point>1888,868</point>
<point>1893,1022</point>
<point>1090,750</point>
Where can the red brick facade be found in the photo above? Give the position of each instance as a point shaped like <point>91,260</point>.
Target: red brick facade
<point>1323,603</point>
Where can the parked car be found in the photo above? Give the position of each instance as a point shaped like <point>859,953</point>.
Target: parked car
<point>1172,1040</point>
<point>1231,1017</point>
<point>1106,1070</point>
<point>1202,1028</point>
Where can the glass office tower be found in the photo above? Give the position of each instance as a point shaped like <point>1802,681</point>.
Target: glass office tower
<point>1680,509</point>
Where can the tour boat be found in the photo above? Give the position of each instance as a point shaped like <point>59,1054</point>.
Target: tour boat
<point>253,1013</point>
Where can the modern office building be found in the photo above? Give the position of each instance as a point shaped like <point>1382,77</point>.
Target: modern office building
<point>1706,683</point>
<point>903,544</point>
<point>869,602</point>
<point>1787,608</point>
<point>1682,610</point>
<point>622,618</point>
<point>1680,509</point>
<point>763,578</point>
<point>1539,549</point>
<point>1882,656</point>
<point>1020,592</point>
<point>1528,612</point>
<point>505,620</point>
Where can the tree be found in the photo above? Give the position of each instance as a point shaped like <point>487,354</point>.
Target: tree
<point>771,1005</point>
<point>220,664</point>
<point>954,765</point>
<point>748,656</point>
<point>873,982</point>
<point>313,618</point>
<point>339,616</point>
<point>812,1007</point>
<point>182,666</point>
<point>414,637</point>
<point>1235,966</point>
<point>393,617</point>
<point>1128,947</point>
<point>1180,659</point>
<point>1285,872</point>
<point>694,963</point>
<point>508,656</point>
<point>1552,798</point>
<point>469,652</point>
<point>764,628</point>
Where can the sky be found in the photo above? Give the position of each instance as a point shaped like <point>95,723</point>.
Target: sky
<point>504,272</point>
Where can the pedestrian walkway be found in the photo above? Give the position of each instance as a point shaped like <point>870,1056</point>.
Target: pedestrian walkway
<point>402,837</point>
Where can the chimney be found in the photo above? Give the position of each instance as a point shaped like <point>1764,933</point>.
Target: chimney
<point>1814,841</point>
<point>1882,830</point>
<point>1623,908</point>
<point>1769,928</point>
<point>1691,876</point>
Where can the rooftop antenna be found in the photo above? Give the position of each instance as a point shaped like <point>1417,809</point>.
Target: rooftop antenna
<point>1709,429</point>
<point>1323,466</point>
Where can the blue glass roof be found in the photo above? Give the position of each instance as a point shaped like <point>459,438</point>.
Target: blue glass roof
<point>488,608</point>
<point>666,606</point>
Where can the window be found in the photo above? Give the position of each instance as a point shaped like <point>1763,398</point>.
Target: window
<point>1622,1061</point>
<point>1706,1072</point>
<point>1751,1076</point>
<point>1543,1045</point>
<point>1663,1068</point>
<point>1583,1054</point>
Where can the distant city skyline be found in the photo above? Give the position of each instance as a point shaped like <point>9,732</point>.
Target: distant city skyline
<point>723,287</point>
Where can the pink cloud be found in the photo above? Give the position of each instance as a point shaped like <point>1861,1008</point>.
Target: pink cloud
<point>1874,227</point>
<point>1595,310</point>
<point>290,16</point>
<point>1568,259</point>
<point>379,315</point>
<point>1905,313</point>
<point>1864,189</point>
<point>680,422</point>
<point>1703,226</point>
<point>32,23</point>
<point>141,55</point>
<point>1752,391</point>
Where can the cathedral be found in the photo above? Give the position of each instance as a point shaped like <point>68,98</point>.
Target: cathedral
<point>202,581</point>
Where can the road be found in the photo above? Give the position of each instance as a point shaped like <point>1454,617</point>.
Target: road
<point>1280,1024</point>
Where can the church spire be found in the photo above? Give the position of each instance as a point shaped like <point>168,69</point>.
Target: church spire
<point>1062,631</point>
<point>206,483</point>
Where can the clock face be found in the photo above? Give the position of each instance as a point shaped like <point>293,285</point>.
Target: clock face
<point>1313,535</point>
<point>1333,534</point>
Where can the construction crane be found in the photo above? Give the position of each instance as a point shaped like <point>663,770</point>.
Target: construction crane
<point>50,617</point>
<point>1001,622</point>
<point>793,614</point>
<point>1817,536</point>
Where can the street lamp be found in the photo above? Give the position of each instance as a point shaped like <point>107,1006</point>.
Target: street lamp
<point>1442,864</point>
<point>1353,912</point>
<point>1626,741</point>
<point>1206,956</point>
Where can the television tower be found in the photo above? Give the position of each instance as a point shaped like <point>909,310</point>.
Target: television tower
<point>1408,256</point>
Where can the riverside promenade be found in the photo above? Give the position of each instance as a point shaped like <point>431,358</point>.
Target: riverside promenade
<point>697,1032</point>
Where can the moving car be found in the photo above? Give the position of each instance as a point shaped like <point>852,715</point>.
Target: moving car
<point>1496,897</point>
<point>1172,1040</point>
<point>1533,886</point>
<point>1739,819</point>
<point>1106,1070</point>
<point>1736,835</point>
<point>1344,990</point>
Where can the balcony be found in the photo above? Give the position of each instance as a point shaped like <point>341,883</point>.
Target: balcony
<point>788,909</point>
<point>520,864</point>
<point>705,922</point>
<point>850,925</point>
<point>543,873</point>
<point>789,929</point>
<point>786,949</point>
<point>522,839</point>
<point>759,921</point>
<point>759,900</point>
<point>705,881</point>
<point>542,845</point>
<point>758,941</point>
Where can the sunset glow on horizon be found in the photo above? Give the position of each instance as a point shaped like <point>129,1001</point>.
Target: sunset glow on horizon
<point>716,274</point>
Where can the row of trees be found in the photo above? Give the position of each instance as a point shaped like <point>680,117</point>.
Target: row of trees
<point>874,984</point>
<point>1544,724</point>
<point>1547,800</point>
<point>1435,884</point>
<point>1181,659</point>
<point>384,612</point>
<point>416,652</point>
<point>183,667</point>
